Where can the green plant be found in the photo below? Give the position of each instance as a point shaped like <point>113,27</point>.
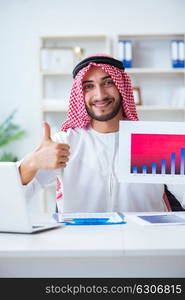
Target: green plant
<point>9,132</point>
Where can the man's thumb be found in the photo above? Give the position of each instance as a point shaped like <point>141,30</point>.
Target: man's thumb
<point>47,131</point>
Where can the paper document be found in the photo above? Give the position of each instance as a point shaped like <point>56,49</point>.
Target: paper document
<point>152,152</point>
<point>107,218</point>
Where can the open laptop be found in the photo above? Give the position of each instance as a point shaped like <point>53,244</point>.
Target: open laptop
<point>14,214</point>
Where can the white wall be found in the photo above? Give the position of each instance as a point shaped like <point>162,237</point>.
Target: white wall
<point>23,21</point>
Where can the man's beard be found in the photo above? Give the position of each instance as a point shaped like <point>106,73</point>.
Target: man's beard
<point>108,116</point>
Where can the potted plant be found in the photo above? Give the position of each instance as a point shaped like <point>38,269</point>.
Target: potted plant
<point>9,132</point>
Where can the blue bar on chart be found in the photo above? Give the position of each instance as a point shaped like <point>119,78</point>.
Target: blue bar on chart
<point>173,156</point>
<point>144,169</point>
<point>154,168</point>
<point>135,170</point>
<point>182,161</point>
<point>163,166</point>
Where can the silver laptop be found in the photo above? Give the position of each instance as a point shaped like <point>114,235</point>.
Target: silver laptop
<point>14,214</point>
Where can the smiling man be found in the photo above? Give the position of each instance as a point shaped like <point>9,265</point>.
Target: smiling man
<point>102,98</point>
<point>83,156</point>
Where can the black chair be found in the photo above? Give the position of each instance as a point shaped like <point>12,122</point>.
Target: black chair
<point>174,203</point>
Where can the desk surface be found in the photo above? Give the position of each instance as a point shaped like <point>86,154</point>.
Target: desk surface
<point>126,244</point>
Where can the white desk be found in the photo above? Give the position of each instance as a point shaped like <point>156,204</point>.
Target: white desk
<point>129,250</point>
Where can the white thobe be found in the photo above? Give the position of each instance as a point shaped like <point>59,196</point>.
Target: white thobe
<point>90,180</point>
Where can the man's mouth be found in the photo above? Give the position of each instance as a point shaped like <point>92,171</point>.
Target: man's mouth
<point>102,104</point>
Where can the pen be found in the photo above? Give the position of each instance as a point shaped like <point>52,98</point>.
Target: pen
<point>89,221</point>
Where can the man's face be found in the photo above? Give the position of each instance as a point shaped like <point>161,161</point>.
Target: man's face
<point>102,98</point>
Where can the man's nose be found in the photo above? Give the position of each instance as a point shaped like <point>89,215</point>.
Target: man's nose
<point>99,93</point>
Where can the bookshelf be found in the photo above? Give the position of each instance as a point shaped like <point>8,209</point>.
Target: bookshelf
<point>152,71</point>
<point>162,86</point>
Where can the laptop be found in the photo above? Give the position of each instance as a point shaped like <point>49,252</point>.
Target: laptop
<point>14,212</point>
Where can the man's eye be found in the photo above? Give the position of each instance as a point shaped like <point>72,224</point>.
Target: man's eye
<point>88,87</point>
<point>109,82</point>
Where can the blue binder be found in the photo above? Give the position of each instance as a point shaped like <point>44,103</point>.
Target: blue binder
<point>177,53</point>
<point>125,53</point>
<point>181,53</point>
<point>174,53</point>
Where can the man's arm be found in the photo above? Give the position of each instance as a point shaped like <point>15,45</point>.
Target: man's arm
<point>49,155</point>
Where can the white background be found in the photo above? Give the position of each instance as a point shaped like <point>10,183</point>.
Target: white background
<point>22,22</point>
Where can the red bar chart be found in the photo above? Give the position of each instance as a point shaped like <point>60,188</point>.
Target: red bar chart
<point>157,154</point>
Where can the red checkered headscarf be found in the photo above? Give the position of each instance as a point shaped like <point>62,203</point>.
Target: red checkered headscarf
<point>77,114</point>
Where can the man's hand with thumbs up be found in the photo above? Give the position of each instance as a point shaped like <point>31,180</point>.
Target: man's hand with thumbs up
<point>49,155</point>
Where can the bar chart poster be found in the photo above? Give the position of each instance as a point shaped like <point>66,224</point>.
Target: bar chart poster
<point>158,154</point>
<point>152,152</point>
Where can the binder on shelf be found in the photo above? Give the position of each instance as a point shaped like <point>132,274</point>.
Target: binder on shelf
<point>125,53</point>
<point>181,51</point>
<point>128,54</point>
<point>121,50</point>
<point>174,53</point>
<point>177,53</point>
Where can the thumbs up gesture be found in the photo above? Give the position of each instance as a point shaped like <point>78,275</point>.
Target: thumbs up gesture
<point>50,155</point>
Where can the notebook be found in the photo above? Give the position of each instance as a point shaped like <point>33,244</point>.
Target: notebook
<point>14,214</point>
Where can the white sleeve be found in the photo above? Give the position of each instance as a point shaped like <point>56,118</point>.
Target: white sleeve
<point>40,180</point>
<point>178,190</point>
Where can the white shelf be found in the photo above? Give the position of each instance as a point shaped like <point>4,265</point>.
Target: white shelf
<point>54,106</point>
<point>61,106</point>
<point>54,73</point>
<point>74,38</point>
<point>90,43</point>
<point>128,70</point>
<point>160,108</point>
<point>155,70</point>
<point>158,35</point>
